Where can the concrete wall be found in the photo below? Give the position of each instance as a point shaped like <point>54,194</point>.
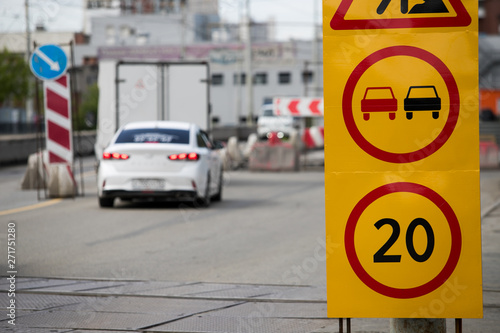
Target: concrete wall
<point>16,148</point>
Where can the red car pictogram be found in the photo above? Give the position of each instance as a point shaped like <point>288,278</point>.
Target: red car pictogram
<point>383,101</point>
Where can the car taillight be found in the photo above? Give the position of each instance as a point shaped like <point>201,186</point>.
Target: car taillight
<point>114,156</point>
<point>184,156</point>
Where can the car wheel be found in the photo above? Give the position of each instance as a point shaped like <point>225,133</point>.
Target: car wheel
<point>205,200</point>
<point>218,195</point>
<point>106,202</point>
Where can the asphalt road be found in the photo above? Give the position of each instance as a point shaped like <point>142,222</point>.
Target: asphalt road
<point>263,231</point>
<point>269,228</point>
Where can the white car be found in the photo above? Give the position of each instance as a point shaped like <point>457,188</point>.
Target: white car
<point>160,160</point>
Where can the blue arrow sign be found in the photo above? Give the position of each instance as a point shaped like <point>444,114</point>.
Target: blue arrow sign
<point>48,62</point>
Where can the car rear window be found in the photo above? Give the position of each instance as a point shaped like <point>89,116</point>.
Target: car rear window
<point>154,135</point>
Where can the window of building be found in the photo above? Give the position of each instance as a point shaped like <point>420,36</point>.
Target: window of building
<point>125,31</point>
<point>217,79</point>
<point>93,4</point>
<point>307,76</point>
<point>260,78</point>
<point>142,39</point>
<point>110,30</point>
<point>268,100</point>
<point>110,35</point>
<point>239,78</point>
<point>284,78</point>
<point>126,6</point>
<point>100,4</point>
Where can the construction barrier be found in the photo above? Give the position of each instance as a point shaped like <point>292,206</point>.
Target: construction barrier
<point>56,177</point>
<point>488,154</point>
<point>36,172</point>
<point>273,156</point>
<point>298,107</point>
<point>233,157</point>
<point>61,181</point>
<point>252,139</point>
<point>314,137</point>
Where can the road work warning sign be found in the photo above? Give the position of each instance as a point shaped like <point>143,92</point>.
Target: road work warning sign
<point>402,158</point>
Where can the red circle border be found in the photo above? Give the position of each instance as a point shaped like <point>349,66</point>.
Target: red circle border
<point>444,135</point>
<point>441,277</point>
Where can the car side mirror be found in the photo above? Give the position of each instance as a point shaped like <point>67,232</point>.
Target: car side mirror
<point>217,145</point>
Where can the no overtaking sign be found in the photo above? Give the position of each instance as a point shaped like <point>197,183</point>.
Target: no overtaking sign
<point>401,150</point>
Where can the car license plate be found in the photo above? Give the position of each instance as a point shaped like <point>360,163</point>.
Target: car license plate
<point>148,184</point>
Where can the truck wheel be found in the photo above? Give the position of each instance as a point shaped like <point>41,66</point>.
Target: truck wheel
<point>366,116</point>
<point>392,115</point>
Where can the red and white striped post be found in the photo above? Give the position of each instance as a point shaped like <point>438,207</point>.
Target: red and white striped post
<point>58,127</point>
<point>59,136</point>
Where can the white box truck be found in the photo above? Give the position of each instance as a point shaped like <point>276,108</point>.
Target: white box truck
<point>136,91</point>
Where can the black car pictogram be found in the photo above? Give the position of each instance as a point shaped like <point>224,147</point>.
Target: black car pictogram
<point>422,98</point>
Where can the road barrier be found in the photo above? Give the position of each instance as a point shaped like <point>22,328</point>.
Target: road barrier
<point>61,181</point>
<point>314,137</point>
<point>272,156</point>
<point>35,175</point>
<point>56,177</point>
<point>488,154</point>
<point>233,156</point>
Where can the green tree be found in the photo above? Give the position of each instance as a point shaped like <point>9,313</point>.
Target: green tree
<point>88,108</point>
<point>14,79</point>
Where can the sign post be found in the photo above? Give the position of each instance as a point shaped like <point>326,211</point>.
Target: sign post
<point>49,63</point>
<point>402,159</point>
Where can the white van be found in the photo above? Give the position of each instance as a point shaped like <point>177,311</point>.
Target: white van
<point>268,123</point>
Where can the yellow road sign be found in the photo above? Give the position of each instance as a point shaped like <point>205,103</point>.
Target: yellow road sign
<point>402,167</point>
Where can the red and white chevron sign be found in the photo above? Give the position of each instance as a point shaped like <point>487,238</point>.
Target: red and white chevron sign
<point>58,120</point>
<point>298,107</point>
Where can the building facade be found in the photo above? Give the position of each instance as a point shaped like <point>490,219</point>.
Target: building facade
<point>182,30</point>
<point>279,69</point>
<point>489,17</point>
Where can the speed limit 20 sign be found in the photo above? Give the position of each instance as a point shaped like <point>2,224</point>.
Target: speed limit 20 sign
<point>402,159</point>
